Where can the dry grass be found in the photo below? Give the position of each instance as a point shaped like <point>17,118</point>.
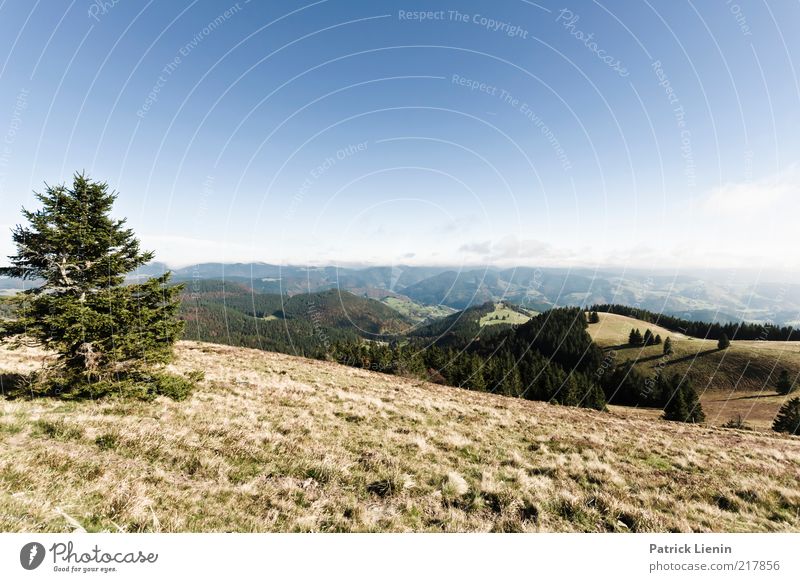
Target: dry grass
<point>275,443</point>
<point>737,381</point>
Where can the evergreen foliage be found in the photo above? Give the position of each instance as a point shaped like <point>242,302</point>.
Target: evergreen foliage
<point>788,418</point>
<point>635,338</point>
<point>306,324</point>
<point>549,358</point>
<point>100,328</point>
<point>784,384</point>
<point>723,343</point>
<point>684,403</point>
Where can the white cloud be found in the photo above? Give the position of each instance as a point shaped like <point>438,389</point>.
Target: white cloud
<point>512,250</point>
<point>756,196</point>
<point>477,248</point>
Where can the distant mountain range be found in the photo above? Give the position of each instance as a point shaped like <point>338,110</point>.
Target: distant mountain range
<point>691,297</point>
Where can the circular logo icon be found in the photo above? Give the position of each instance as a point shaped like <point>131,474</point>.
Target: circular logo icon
<point>31,555</point>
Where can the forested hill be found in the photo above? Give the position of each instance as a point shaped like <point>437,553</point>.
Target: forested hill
<point>481,321</point>
<point>304,324</point>
<point>705,330</point>
<point>550,358</point>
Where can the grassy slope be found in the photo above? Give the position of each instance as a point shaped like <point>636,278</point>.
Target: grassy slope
<point>739,380</point>
<point>512,316</point>
<point>275,443</point>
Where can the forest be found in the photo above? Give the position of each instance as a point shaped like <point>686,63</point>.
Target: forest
<point>550,358</point>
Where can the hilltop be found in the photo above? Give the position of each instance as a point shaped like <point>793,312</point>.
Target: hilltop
<point>483,320</point>
<point>738,380</point>
<point>271,442</point>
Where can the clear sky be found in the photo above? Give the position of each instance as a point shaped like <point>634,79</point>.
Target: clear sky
<point>498,132</point>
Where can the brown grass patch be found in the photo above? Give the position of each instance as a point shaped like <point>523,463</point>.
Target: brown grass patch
<point>270,442</point>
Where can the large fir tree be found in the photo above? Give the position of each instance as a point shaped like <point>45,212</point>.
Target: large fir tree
<point>100,327</point>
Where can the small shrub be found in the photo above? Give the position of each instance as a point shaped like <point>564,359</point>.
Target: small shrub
<point>175,387</point>
<point>107,441</point>
<point>196,376</point>
<point>322,472</point>
<point>59,430</point>
<point>529,511</point>
<point>737,422</point>
<point>10,427</point>
<point>727,504</point>
<point>747,495</point>
<point>382,488</point>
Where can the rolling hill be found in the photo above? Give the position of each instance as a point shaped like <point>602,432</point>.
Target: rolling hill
<point>735,383</point>
<point>417,312</point>
<point>271,442</point>
<point>303,324</point>
<point>739,380</point>
<point>472,322</point>
<point>703,296</point>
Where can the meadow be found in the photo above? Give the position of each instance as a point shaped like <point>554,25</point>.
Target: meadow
<point>737,381</point>
<point>271,442</point>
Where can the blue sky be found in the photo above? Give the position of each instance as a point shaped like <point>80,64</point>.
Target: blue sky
<point>508,133</point>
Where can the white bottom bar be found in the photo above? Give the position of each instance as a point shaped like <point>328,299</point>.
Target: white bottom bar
<point>389,557</point>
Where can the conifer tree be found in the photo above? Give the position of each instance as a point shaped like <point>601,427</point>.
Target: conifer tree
<point>784,384</point>
<point>788,418</point>
<point>723,343</point>
<point>668,349</point>
<point>684,405</point>
<point>676,409</point>
<point>476,380</point>
<point>595,398</point>
<point>99,327</point>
